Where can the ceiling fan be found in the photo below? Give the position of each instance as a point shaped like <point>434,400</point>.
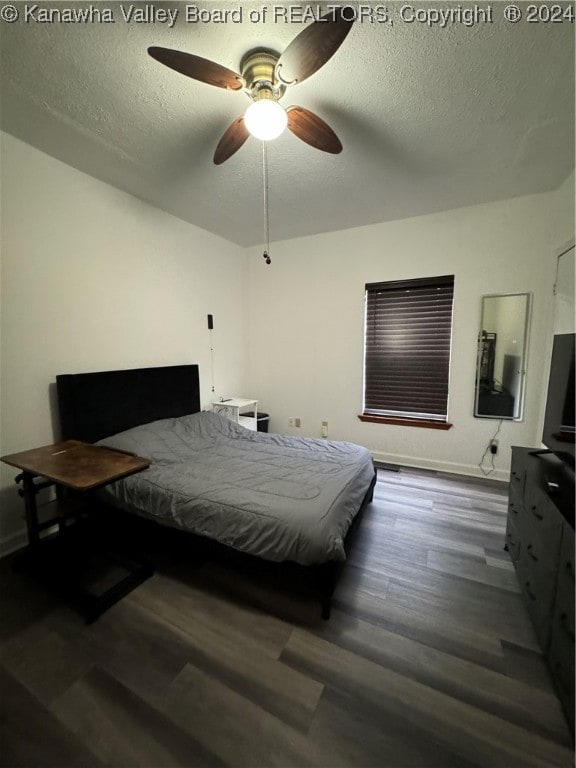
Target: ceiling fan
<point>265,77</point>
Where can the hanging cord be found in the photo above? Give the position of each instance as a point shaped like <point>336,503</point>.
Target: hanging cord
<point>212,357</point>
<point>489,471</point>
<point>266,254</point>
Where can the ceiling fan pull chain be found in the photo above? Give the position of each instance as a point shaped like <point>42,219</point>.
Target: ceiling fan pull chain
<point>266,254</point>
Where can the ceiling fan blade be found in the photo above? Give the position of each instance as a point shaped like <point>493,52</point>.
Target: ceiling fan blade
<point>312,48</point>
<point>233,138</point>
<point>198,68</point>
<point>313,130</point>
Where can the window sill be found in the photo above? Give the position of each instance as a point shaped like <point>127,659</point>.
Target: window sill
<point>423,423</point>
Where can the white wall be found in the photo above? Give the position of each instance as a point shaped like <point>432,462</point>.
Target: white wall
<point>564,320</point>
<point>307,310</point>
<point>94,279</point>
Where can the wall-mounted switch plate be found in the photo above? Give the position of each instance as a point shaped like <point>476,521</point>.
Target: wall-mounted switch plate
<point>324,430</point>
<point>290,421</point>
<point>297,421</point>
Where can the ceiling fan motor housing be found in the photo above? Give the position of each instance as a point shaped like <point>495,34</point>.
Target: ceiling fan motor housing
<point>257,68</point>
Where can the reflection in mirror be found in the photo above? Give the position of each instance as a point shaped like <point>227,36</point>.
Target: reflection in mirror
<point>502,344</point>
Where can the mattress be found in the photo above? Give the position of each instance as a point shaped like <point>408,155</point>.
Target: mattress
<point>277,497</point>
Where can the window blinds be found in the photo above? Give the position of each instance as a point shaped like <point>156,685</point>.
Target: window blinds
<point>407,348</point>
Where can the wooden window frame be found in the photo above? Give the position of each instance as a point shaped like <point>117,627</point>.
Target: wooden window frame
<point>408,339</point>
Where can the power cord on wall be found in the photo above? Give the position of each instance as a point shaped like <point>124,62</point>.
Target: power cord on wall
<point>266,254</point>
<point>491,450</point>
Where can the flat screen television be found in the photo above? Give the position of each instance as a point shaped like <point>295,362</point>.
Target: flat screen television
<point>559,427</point>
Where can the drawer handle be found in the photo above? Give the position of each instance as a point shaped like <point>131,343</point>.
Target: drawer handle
<point>512,508</point>
<point>552,487</point>
<point>533,509</point>
<point>529,592</point>
<point>531,553</point>
<point>565,626</point>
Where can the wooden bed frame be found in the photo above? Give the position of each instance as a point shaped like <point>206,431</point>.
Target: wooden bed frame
<point>93,406</point>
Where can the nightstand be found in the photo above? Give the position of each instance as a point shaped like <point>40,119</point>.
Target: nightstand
<point>233,409</point>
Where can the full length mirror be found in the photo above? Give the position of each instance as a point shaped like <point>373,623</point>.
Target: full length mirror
<point>502,344</point>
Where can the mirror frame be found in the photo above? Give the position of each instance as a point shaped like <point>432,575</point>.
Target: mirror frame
<point>523,359</point>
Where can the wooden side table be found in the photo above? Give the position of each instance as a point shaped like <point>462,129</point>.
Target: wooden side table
<point>80,467</point>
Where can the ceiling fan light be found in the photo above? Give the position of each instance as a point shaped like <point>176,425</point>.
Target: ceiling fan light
<point>266,119</point>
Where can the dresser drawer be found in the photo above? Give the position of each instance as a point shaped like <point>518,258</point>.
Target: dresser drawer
<point>538,582</point>
<point>563,625</point>
<point>561,662</point>
<point>540,541</point>
<point>566,564</point>
<point>561,652</point>
<point>563,621</point>
<point>515,509</point>
<point>512,541</point>
<point>540,525</point>
<point>517,481</point>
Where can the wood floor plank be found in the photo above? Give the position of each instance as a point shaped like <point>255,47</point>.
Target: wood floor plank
<point>46,663</point>
<point>528,665</point>
<point>466,534</point>
<point>260,592</point>
<point>143,655</point>
<point>351,732</point>
<point>194,595</point>
<point>443,499</point>
<point>494,613</point>
<point>468,731</point>
<point>476,569</point>
<point>498,560</point>
<point>429,659</point>
<point>243,734</point>
<point>478,607</point>
<point>426,483</point>
<point>389,551</point>
<point>123,730</point>
<point>428,539</point>
<point>494,691</point>
<point>239,664</point>
<point>31,736</point>
<point>426,628</point>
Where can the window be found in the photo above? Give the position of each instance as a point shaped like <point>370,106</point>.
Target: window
<point>407,351</point>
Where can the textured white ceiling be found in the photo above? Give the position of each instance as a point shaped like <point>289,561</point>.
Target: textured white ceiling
<point>431,118</point>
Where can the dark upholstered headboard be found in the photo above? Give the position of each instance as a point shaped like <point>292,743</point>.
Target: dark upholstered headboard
<point>96,405</point>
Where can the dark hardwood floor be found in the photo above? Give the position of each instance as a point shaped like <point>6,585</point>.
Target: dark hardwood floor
<point>429,659</point>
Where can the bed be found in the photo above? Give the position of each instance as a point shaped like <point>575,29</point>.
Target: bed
<point>286,500</point>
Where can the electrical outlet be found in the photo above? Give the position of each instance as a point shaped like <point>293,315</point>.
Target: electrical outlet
<point>297,421</point>
<point>324,430</point>
<point>290,421</point>
<point>494,446</point>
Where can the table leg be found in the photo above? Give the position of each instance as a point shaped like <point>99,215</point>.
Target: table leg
<point>29,491</point>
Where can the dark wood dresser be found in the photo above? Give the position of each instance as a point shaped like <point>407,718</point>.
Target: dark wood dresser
<point>540,540</point>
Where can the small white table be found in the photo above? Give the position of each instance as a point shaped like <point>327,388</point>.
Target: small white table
<point>232,408</point>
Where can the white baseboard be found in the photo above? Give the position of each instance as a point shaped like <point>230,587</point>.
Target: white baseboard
<point>470,470</point>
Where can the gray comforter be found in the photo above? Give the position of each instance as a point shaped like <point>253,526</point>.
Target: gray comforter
<point>281,498</point>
